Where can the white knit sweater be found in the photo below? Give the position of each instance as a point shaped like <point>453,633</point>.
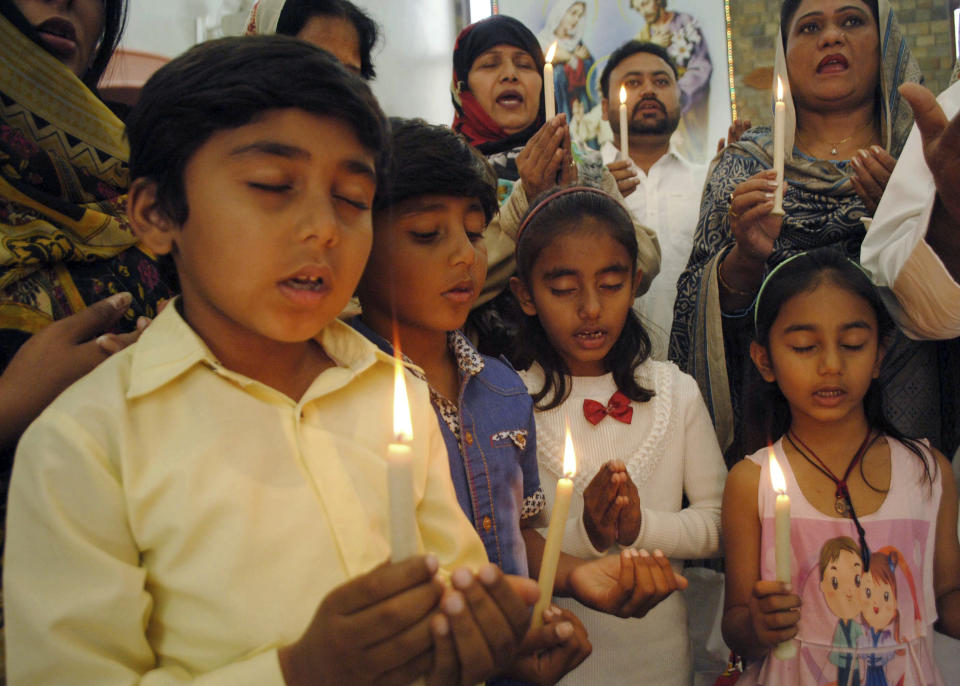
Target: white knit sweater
<point>670,449</point>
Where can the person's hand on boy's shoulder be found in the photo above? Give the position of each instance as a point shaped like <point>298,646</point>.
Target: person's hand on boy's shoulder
<point>55,357</point>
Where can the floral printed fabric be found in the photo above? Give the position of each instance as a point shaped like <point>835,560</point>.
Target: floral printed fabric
<point>64,238</point>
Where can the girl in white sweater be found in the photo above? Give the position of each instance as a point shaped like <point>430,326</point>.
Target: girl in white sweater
<point>643,436</point>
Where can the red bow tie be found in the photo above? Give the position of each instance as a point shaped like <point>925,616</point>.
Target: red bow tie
<point>618,407</point>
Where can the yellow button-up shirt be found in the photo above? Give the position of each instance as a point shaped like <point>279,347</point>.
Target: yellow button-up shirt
<point>173,522</point>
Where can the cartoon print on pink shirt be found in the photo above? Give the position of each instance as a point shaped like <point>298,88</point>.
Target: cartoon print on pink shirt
<point>881,616</point>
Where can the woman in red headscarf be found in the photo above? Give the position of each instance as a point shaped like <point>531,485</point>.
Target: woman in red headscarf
<point>497,92</point>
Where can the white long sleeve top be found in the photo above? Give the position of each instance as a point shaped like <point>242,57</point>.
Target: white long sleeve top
<point>670,450</point>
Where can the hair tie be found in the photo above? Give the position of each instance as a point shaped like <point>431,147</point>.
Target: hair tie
<point>557,194</point>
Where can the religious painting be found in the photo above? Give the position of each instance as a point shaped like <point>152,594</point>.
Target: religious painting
<point>587,31</point>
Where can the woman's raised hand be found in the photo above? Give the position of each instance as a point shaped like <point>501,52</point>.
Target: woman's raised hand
<point>546,159</point>
<point>872,168</point>
<point>752,222</point>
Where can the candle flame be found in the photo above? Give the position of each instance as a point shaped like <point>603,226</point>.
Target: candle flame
<point>569,456</point>
<point>776,474</point>
<point>623,94</point>
<point>551,52</point>
<point>779,89</point>
<point>402,424</point>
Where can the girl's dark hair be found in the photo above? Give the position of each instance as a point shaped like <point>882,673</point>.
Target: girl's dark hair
<point>803,274</point>
<point>296,13</point>
<point>114,21</point>
<point>790,7</point>
<point>546,220</point>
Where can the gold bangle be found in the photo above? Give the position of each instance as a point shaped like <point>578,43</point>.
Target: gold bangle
<point>730,289</point>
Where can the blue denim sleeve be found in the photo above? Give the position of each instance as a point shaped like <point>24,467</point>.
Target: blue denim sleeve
<point>528,457</point>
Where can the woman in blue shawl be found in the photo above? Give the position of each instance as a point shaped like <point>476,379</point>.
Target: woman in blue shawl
<point>841,64</point>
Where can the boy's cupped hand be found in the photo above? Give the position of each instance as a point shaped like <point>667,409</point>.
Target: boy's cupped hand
<point>628,585</point>
<point>552,649</point>
<point>374,628</point>
<point>483,619</point>
<point>399,623</point>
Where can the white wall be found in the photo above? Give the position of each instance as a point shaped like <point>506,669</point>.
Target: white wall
<point>165,27</point>
<point>413,59</point>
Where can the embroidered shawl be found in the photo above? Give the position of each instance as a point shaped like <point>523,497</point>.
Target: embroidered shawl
<point>821,207</point>
<point>64,238</point>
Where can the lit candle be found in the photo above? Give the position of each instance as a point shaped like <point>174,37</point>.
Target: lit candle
<point>403,523</point>
<point>558,522</point>
<point>548,98</point>
<point>787,649</point>
<point>624,133</point>
<point>779,132</point>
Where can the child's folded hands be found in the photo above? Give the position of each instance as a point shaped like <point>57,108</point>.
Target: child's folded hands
<point>611,507</point>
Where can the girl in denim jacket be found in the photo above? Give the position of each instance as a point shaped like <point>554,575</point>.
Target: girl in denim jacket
<point>426,269</point>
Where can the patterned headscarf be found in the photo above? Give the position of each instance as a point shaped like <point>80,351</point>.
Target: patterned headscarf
<point>823,209</point>
<point>471,119</point>
<point>897,66</point>
<point>64,238</point>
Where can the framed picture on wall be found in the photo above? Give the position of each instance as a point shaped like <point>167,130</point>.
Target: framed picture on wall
<point>587,31</point>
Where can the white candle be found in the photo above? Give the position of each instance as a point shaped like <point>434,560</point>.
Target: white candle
<point>624,127</point>
<point>549,100</point>
<point>402,513</point>
<point>787,649</point>
<point>779,133</point>
<point>558,522</point>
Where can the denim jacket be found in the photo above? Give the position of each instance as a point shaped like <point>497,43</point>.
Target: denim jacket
<point>493,462</point>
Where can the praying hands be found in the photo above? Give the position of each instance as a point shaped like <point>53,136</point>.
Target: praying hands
<point>872,168</point>
<point>547,160</point>
<point>611,507</point>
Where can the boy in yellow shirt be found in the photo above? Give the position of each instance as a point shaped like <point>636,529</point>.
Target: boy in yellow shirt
<point>210,504</point>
